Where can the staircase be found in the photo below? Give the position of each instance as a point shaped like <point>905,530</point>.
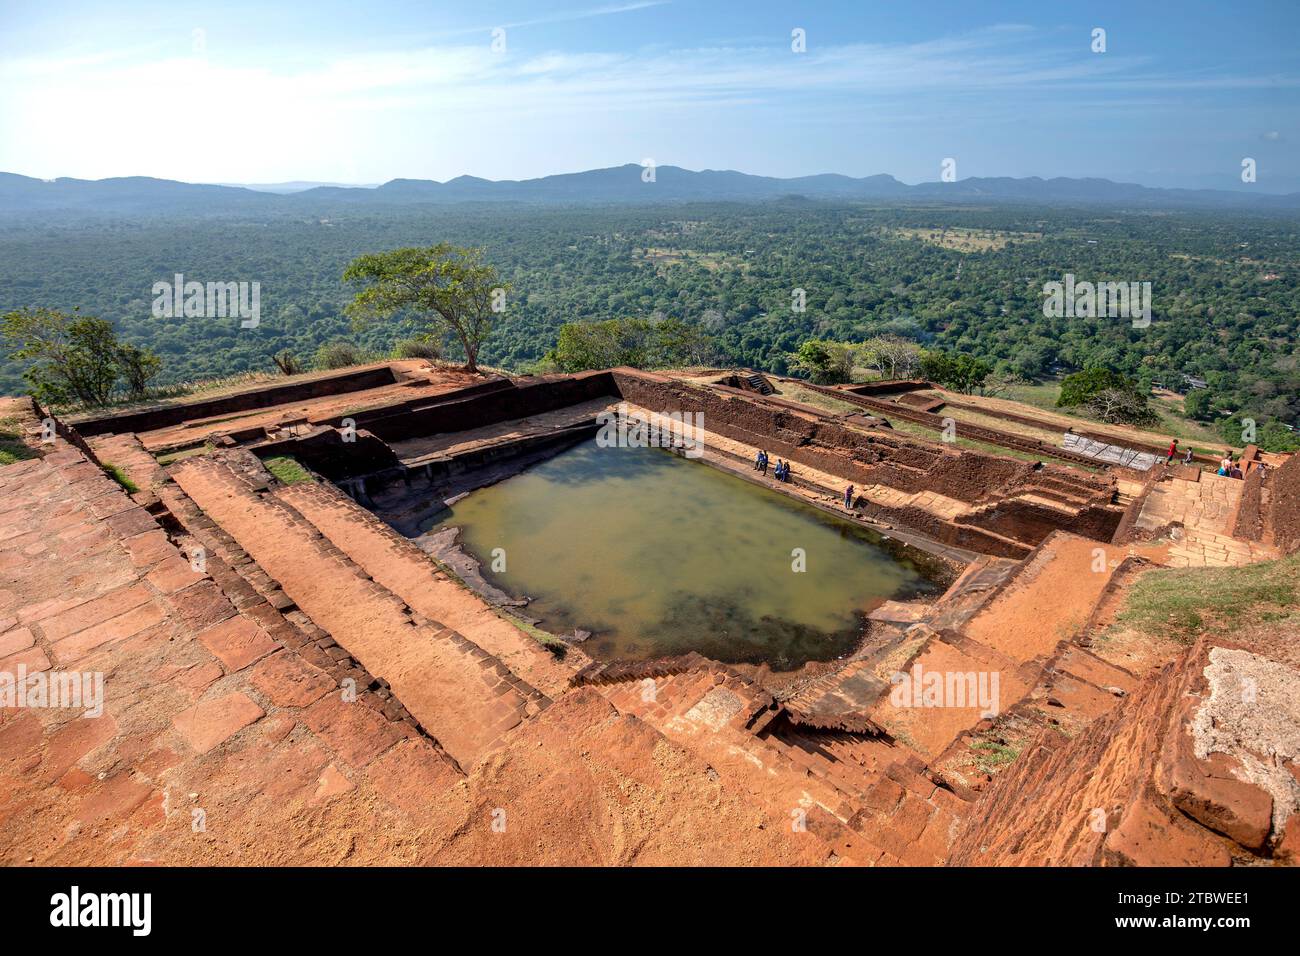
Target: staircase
<point>397,564</point>
<point>759,384</point>
<point>868,799</point>
<point>462,695</point>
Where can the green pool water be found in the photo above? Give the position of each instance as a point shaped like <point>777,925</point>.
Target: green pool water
<point>657,554</point>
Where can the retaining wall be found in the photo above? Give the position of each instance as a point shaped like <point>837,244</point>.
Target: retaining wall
<point>1006,527</point>
<point>166,416</point>
<point>989,436</point>
<point>489,408</point>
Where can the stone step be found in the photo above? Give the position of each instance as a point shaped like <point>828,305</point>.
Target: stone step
<point>673,686</point>
<point>412,575</point>
<point>699,710</point>
<point>203,697</point>
<point>126,453</point>
<point>841,699</point>
<point>464,697</point>
<point>851,783</point>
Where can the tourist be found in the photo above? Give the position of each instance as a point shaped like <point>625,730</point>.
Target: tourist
<point>762,462</point>
<point>848,498</point>
<point>1187,459</point>
<point>758,461</point>
<point>1173,450</point>
<point>1235,471</point>
<point>785,475</point>
<point>776,472</point>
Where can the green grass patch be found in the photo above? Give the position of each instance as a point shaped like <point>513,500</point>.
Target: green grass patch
<point>548,640</point>
<point>808,396</point>
<point>118,475</point>
<point>1184,602</point>
<point>12,446</point>
<point>286,470</point>
<point>991,756</point>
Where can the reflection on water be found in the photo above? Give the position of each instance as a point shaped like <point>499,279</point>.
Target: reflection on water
<point>655,555</point>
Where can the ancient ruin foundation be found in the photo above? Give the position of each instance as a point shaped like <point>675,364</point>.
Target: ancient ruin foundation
<point>286,651</point>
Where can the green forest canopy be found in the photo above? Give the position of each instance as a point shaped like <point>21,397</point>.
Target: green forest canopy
<point>964,279</point>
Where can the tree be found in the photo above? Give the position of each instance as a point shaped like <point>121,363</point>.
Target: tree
<point>1108,396</point>
<point>442,285</point>
<point>1121,406</point>
<point>75,358</point>
<point>680,345</point>
<point>1232,430</point>
<point>1001,382</point>
<point>955,370</point>
<point>1274,436</point>
<point>827,363</point>
<point>1199,404</point>
<point>1081,387</point>
<point>139,367</point>
<point>890,356</point>
<point>637,343</point>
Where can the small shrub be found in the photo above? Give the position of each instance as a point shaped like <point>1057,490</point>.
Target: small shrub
<point>418,348</point>
<point>287,363</point>
<point>339,354</point>
<point>139,367</point>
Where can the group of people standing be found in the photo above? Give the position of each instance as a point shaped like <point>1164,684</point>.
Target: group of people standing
<point>781,472</point>
<point>1229,467</point>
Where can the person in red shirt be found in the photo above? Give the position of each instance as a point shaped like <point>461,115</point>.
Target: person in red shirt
<point>1173,450</point>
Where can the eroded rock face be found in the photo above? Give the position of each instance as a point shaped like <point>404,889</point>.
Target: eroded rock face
<point>1195,768</point>
<point>1248,732</point>
<point>1210,793</point>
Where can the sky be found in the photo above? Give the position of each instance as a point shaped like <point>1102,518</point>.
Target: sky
<point>364,92</point>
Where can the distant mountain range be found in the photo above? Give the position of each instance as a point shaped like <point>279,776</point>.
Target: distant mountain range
<point>138,195</point>
<point>296,186</point>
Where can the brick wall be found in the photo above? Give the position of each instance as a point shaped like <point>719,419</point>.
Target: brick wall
<point>1284,490</point>
<point>494,406</point>
<point>170,415</point>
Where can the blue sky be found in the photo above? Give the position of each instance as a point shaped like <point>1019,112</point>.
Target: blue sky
<point>366,92</point>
